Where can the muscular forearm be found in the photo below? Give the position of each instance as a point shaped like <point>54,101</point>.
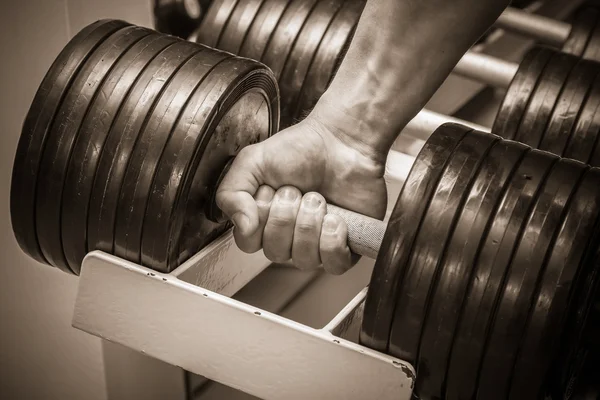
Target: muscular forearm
<point>402,51</point>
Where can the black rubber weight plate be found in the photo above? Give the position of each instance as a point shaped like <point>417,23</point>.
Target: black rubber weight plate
<point>542,100</point>
<point>37,123</point>
<point>238,25</point>
<point>89,144</point>
<point>538,345</point>
<point>541,223</point>
<point>568,108</point>
<point>122,138</point>
<point>177,17</point>
<point>286,34</point>
<point>594,129</point>
<point>62,134</point>
<point>305,48</point>
<point>214,22</point>
<point>322,67</point>
<point>110,53</point>
<point>500,166</point>
<point>456,268</point>
<point>517,96</point>
<point>400,233</point>
<point>428,251</point>
<point>582,28</point>
<point>587,127</point>
<point>263,26</point>
<point>131,209</point>
<point>235,106</point>
<point>592,49</point>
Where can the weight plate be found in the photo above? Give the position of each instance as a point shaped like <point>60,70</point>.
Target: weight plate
<point>543,219</point>
<point>517,96</point>
<point>568,108</point>
<point>595,131</point>
<point>537,347</point>
<point>494,179</point>
<point>285,35</point>
<point>235,106</point>
<point>421,274</point>
<point>38,121</point>
<point>592,49</point>
<point>90,141</point>
<point>121,139</point>
<point>210,30</point>
<point>131,208</point>
<point>489,272</point>
<point>177,17</point>
<point>262,28</point>
<point>238,25</point>
<point>60,138</point>
<point>304,50</point>
<point>543,99</point>
<point>400,234</point>
<point>582,26</point>
<point>456,269</point>
<point>587,127</point>
<point>330,50</point>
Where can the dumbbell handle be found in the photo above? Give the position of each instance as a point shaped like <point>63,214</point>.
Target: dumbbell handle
<point>535,26</point>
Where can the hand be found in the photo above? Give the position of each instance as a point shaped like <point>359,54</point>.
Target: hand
<point>275,193</point>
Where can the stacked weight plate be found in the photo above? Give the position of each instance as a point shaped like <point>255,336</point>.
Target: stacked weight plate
<point>122,140</point>
<point>553,103</point>
<point>302,41</point>
<point>488,254</point>
<point>584,39</point>
<point>177,17</point>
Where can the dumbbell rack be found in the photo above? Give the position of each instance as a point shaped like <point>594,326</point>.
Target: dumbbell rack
<point>188,319</point>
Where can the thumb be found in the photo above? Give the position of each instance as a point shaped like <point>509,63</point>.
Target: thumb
<point>235,196</point>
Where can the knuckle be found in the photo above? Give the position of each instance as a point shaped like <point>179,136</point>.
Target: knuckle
<point>280,220</point>
<point>305,228</point>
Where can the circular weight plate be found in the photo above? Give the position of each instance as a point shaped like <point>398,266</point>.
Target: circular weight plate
<point>400,234</point>
<point>131,208</point>
<point>331,49</point>
<point>177,17</point>
<point>413,296</point>
<point>213,23</point>
<point>89,144</point>
<point>490,269</point>
<point>238,25</point>
<point>263,26</point>
<point>542,100</point>
<point>516,294</point>
<point>585,133</point>
<point>582,27</point>
<point>60,138</point>
<point>300,58</point>
<point>568,108</point>
<point>595,130</point>
<point>121,139</point>
<point>537,347</point>
<point>592,49</point>
<point>235,106</point>
<point>38,121</point>
<point>285,35</point>
<point>456,269</point>
<point>517,96</point>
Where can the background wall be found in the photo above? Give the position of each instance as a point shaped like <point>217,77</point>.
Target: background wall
<point>41,356</point>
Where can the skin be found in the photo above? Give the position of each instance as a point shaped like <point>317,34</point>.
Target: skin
<point>276,191</point>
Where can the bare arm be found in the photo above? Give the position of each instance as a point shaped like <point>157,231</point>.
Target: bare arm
<point>402,51</point>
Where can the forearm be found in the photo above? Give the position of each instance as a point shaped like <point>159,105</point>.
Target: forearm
<point>402,51</point>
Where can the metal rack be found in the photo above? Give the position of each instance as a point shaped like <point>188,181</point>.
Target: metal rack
<point>188,319</point>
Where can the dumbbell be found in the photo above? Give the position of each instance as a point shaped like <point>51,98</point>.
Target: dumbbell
<point>177,17</point>
<point>580,38</point>
<point>130,132</point>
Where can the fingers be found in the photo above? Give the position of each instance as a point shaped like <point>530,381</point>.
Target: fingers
<point>253,242</point>
<point>305,248</point>
<point>279,230</point>
<point>334,251</point>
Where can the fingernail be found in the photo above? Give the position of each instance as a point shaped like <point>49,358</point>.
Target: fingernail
<point>330,224</point>
<point>312,202</point>
<point>288,195</point>
<point>240,221</point>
